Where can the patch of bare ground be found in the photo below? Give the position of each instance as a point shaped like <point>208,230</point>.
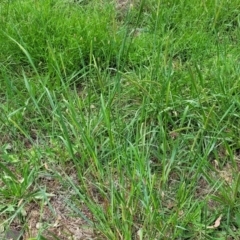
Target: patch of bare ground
<point>52,219</point>
<point>122,7</point>
<point>225,174</point>
<point>123,4</point>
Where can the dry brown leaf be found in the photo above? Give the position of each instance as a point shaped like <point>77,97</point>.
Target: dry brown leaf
<point>217,223</point>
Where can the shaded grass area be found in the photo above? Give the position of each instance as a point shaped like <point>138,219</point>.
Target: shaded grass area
<point>134,112</point>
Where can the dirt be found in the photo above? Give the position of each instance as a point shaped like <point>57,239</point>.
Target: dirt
<point>53,218</point>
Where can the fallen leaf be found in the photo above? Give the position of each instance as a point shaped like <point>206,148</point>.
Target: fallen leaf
<point>217,223</point>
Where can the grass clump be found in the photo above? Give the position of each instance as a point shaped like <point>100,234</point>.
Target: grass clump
<point>59,37</point>
<point>126,121</point>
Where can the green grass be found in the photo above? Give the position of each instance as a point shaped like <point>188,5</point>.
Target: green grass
<point>135,114</point>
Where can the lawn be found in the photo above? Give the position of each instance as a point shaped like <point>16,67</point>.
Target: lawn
<point>119,120</point>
